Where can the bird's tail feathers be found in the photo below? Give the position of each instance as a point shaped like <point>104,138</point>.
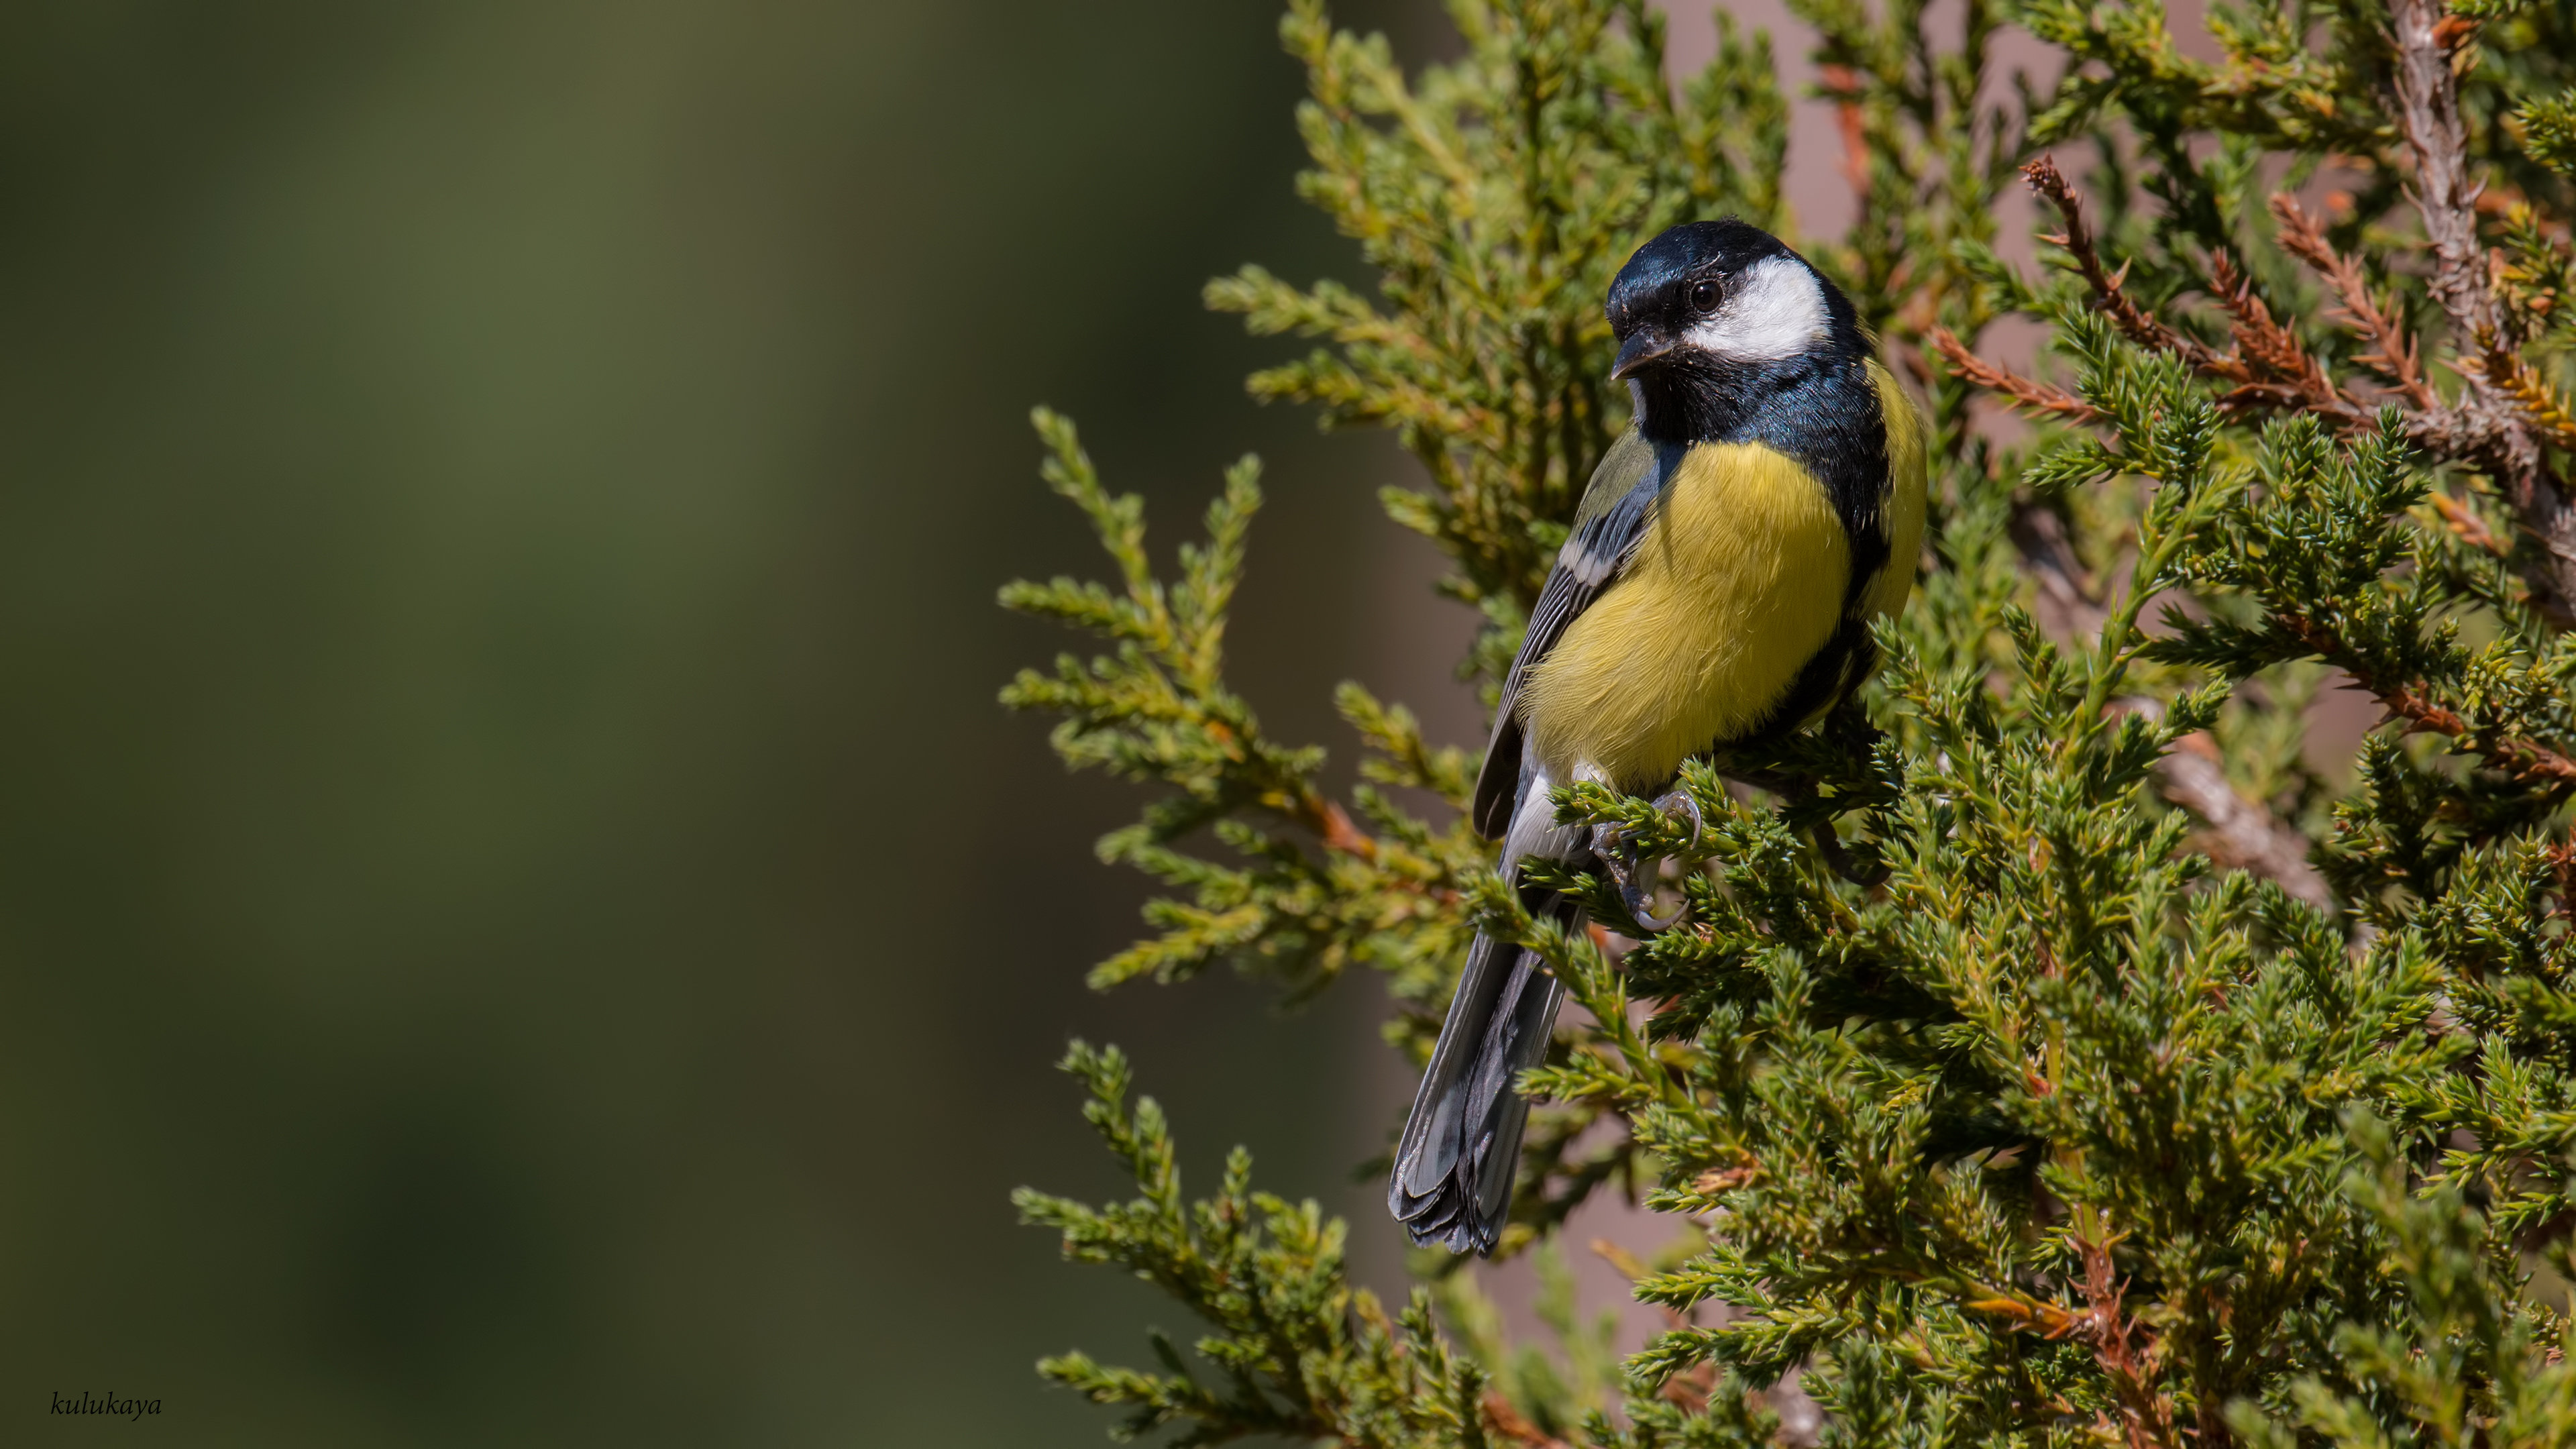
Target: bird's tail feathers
<point>1454,1166</point>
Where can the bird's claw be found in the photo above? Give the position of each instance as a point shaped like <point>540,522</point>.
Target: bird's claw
<point>1688,804</point>
<point>1634,876</point>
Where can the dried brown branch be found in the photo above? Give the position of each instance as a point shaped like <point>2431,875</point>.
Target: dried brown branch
<point>2241,834</point>
<point>2395,358</point>
<point>2023,391</point>
<point>2266,344</point>
<point>2288,377</point>
<point>2269,367</point>
<point>2135,322</point>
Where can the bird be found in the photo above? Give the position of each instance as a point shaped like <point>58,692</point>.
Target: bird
<point>1763,507</point>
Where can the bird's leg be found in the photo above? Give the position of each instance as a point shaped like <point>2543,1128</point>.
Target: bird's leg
<point>1636,877</point>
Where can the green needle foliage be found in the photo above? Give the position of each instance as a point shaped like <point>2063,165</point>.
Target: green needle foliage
<point>1294,1350</point>
<point>2066,1054</point>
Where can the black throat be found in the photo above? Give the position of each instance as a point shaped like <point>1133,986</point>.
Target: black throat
<point>1692,398</point>
<point>1821,408</point>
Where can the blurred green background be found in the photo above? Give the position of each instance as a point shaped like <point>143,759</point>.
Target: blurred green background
<point>520,921</point>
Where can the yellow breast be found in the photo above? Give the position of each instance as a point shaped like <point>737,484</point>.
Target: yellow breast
<point>1737,583</point>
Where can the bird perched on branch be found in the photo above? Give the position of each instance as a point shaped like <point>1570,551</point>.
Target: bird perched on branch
<point>1765,505</point>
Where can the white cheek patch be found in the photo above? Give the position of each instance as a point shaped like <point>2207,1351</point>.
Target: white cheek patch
<point>1774,311</point>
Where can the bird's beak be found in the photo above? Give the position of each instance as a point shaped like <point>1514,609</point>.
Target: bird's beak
<point>1643,347</point>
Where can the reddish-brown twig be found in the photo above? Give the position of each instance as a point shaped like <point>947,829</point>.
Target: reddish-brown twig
<point>2127,1352</point>
<point>2266,344</point>
<point>1509,1423</point>
<point>2126,1349</point>
<point>1843,84</point>
<point>2023,391</point>
<point>2135,322</point>
<point>2394,357</point>
<point>2269,368</point>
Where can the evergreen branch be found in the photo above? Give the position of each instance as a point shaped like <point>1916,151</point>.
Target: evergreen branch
<point>2549,131</point>
<point>1168,677</point>
<point>1957,992</point>
<point>2464,1364</point>
<point>1158,710</point>
<point>2458,433</point>
<point>2242,834</point>
<point>2490,427</point>
<point>2408,700</point>
<point>1301,1352</point>
<point>2271,370</point>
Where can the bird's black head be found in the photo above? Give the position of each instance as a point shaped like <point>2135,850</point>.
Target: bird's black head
<point>1713,316</point>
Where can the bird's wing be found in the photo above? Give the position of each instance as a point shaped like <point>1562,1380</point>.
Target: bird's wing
<point>1607,526</point>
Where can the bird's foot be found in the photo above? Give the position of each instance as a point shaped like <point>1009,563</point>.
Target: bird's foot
<point>1636,876</point>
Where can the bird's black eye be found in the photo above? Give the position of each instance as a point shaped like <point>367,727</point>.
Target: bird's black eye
<point>1703,296</point>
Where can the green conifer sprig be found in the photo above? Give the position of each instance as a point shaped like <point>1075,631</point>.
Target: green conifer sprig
<point>2549,132</point>
<point>1319,891</point>
<point>1295,1350</point>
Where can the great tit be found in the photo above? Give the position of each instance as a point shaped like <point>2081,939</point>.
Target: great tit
<point>1764,505</point>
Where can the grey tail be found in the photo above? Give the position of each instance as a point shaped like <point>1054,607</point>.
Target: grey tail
<point>1461,1147</point>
